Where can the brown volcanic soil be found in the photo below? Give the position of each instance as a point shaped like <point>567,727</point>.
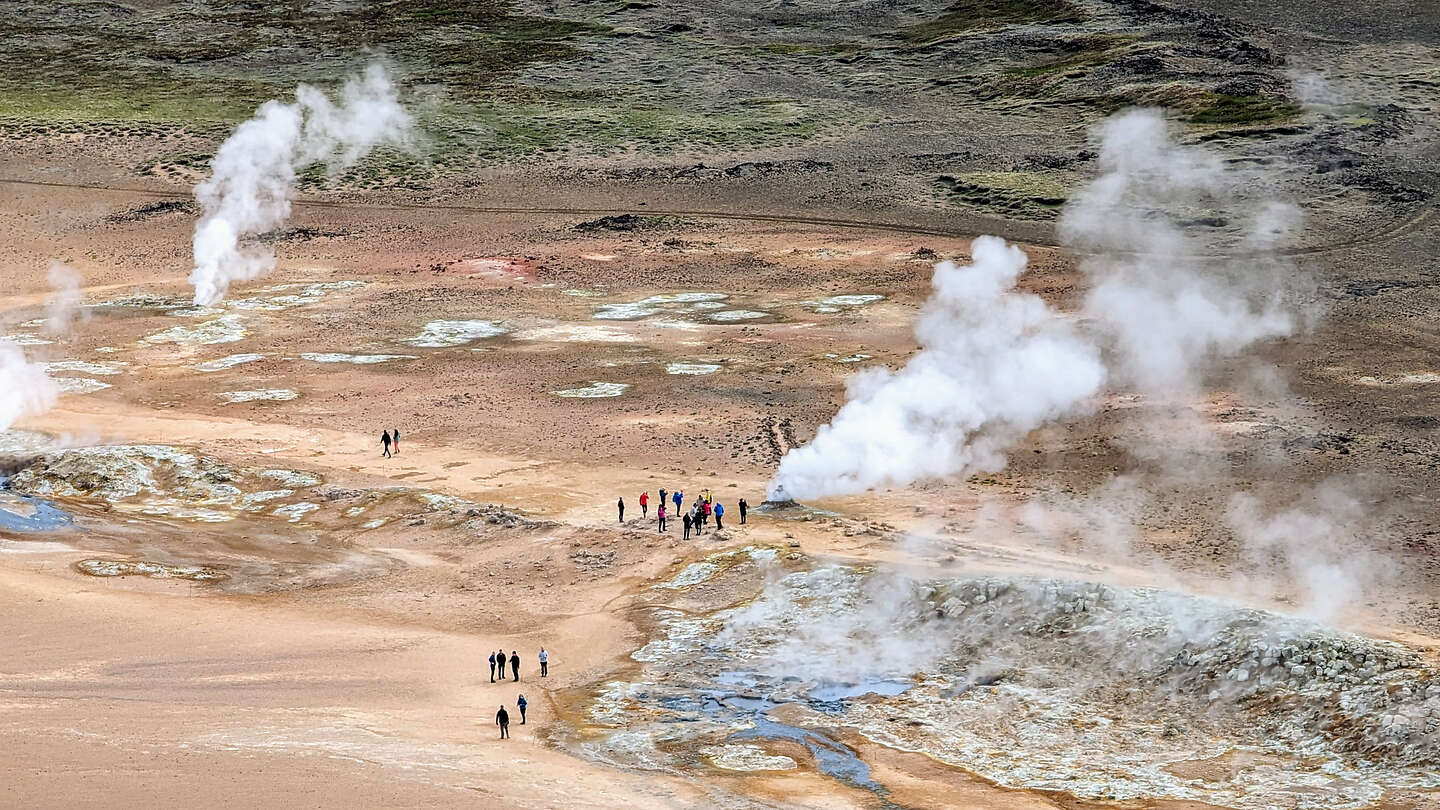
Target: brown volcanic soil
<point>341,666</point>
<point>357,662</point>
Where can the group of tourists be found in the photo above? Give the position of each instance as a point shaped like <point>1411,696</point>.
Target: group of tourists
<point>702,508</point>
<point>498,660</point>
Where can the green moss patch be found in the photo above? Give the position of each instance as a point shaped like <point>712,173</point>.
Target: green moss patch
<point>978,15</point>
<point>1218,108</point>
<point>1019,195</point>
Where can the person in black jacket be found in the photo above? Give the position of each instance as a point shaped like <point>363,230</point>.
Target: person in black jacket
<point>515,663</point>
<point>492,667</point>
<point>502,719</point>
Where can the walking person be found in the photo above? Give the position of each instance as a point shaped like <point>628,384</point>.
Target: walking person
<point>660,513</point>
<point>621,504</point>
<point>719,514</point>
<point>743,507</point>
<point>515,664</point>
<point>645,504</point>
<point>492,667</point>
<point>500,663</point>
<point>502,719</point>
<point>688,523</point>
<point>521,704</point>
<point>544,663</point>
<point>385,443</point>
<point>395,440</point>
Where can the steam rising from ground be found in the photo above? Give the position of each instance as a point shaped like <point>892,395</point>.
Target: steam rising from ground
<point>27,391</point>
<point>995,364</point>
<point>1105,692</point>
<point>64,305</point>
<point>1166,311</point>
<point>253,174</point>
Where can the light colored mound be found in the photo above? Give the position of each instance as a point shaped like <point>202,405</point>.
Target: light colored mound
<point>444,334</point>
<point>595,390</point>
<point>261,395</point>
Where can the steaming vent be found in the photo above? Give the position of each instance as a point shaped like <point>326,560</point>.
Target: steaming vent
<point>1103,692</point>
<point>14,463</point>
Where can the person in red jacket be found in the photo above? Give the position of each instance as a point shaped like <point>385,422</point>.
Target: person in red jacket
<point>645,504</point>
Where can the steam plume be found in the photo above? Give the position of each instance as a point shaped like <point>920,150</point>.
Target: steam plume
<point>27,391</point>
<point>1165,310</point>
<point>995,364</point>
<point>63,307</point>
<point>253,174</point>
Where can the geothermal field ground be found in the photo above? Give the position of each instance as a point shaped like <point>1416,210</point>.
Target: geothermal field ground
<point>1077,361</point>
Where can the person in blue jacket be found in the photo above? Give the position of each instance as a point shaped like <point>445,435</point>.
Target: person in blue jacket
<point>521,704</point>
<point>719,513</point>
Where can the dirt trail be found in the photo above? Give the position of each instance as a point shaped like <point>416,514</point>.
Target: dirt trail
<point>294,706</point>
<point>1394,230</point>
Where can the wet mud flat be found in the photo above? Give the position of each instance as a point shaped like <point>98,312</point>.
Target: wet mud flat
<point>762,661</point>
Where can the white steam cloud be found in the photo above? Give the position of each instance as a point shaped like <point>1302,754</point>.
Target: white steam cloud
<point>995,364</point>
<point>253,174</point>
<point>1167,314</point>
<point>1165,310</point>
<point>27,391</point>
<point>64,305</point>
<point>1310,542</point>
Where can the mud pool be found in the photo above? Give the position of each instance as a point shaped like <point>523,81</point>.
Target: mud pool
<point>1100,692</point>
<point>26,513</point>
